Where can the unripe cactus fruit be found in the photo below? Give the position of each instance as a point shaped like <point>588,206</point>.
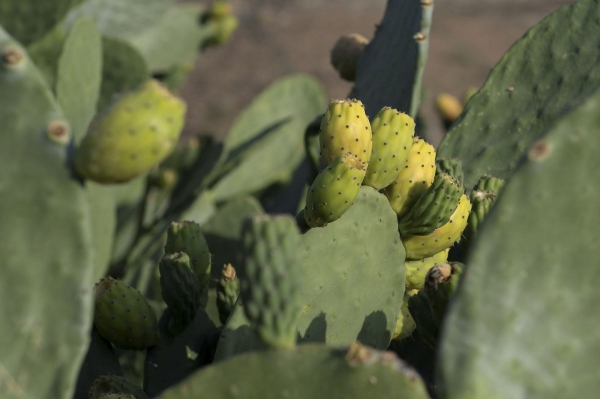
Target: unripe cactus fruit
<point>452,167</point>
<point>333,191</point>
<point>414,179</point>
<point>134,135</point>
<point>405,324</point>
<point>123,316</point>
<point>345,128</point>
<point>448,106</point>
<point>416,270</point>
<point>272,274</point>
<point>418,247</point>
<point>112,386</point>
<point>434,208</point>
<point>482,202</point>
<point>228,290</point>
<point>180,290</point>
<point>489,183</point>
<point>187,237</point>
<point>345,54</point>
<point>393,133</point>
<point>440,283</point>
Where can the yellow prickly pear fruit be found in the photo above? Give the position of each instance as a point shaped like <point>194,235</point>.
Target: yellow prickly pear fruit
<point>418,247</point>
<point>134,135</point>
<point>346,128</point>
<point>405,324</point>
<point>416,270</point>
<point>414,179</point>
<point>448,106</point>
<point>345,54</point>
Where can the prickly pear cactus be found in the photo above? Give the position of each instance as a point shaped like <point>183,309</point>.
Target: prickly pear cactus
<point>414,179</point>
<point>123,316</point>
<point>416,270</point>
<point>334,190</point>
<point>440,283</point>
<point>405,325</point>
<point>452,167</point>
<point>272,277</point>
<point>228,290</point>
<point>345,54</point>
<point>345,128</point>
<point>482,202</point>
<point>113,386</point>
<point>393,133</point>
<point>489,183</point>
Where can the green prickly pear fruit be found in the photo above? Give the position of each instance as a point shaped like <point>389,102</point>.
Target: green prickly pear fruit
<point>393,133</point>
<point>334,190</point>
<point>440,284</point>
<point>123,316</point>
<point>482,202</point>
<point>413,180</point>
<point>452,167</point>
<point>434,208</point>
<point>345,54</point>
<point>187,237</point>
<point>346,128</point>
<point>180,290</point>
<point>228,290</point>
<point>113,386</point>
<point>416,270</point>
<point>489,183</point>
<point>444,237</point>
<point>405,324</point>
<point>271,279</point>
<point>134,135</point>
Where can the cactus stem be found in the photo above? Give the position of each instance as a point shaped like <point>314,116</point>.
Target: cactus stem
<point>422,39</point>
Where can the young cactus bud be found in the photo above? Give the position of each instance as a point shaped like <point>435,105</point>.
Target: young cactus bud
<point>346,128</point>
<point>134,135</point>
<point>393,133</point>
<point>334,190</point>
<point>440,284</point>
<point>271,279</point>
<point>180,290</point>
<point>416,270</point>
<point>405,324</point>
<point>228,291</point>
<point>418,247</point>
<point>345,54</point>
<point>489,183</point>
<point>434,208</point>
<point>452,167</point>
<point>123,316</point>
<point>413,180</point>
<point>112,386</point>
<point>187,237</point>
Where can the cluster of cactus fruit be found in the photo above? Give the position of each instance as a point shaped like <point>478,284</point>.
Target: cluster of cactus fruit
<point>392,278</point>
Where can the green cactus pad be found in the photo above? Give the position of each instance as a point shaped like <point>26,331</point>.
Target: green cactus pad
<point>355,289</point>
<point>309,371</point>
<point>405,325</point>
<point>345,128</point>
<point>413,180</point>
<point>123,316</point>
<point>180,290</point>
<point>334,190</point>
<point>272,278</point>
<point>416,270</point>
<point>418,247</point>
<point>393,133</point>
<point>46,246</point>
<point>489,183</point>
<point>543,76</point>
<point>187,237</point>
<point>114,386</point>
<point>434,208</point>
<point>535,266</point>
<point>452,167</point>
<point>228,291</point>
<point>135,134</point>
<point>440,283</point>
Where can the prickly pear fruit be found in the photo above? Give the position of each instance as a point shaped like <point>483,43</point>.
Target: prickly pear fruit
<point>123,316</point>
<point>416,270</point>
<point>271,278</point>
<point>345,54</point>
<point>228,290</point>
<point>405,324</point>
<point>180,290</point>
<point>334,190</point>
<point>482,202</point>
<point>413,180</point>
<point>489,183</point>
<point>134,135</point>
<point>393,133</point>
<point>418,247</point>
<point>112,386</point>
<point>187,237</point>
<point>452,167</point>
<point>448,106</point>
<point>440,284</point>
<point>434,208</point>
<point>345,128</point>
